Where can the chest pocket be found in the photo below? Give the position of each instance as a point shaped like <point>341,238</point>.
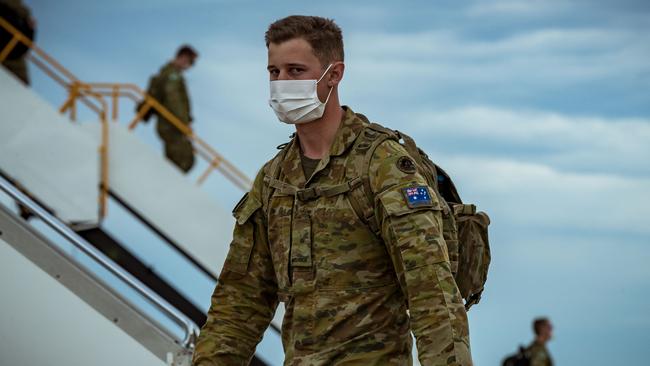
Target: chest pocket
<point>301,269</point>
<point>290,240</point>
<point>239,254</point>
<point>279,217</point>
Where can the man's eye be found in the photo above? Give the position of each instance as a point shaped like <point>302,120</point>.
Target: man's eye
<point>274,72</point>
<point>295,70</point>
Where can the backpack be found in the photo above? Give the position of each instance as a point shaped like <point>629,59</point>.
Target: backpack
<point>521,358</point>
<point>464,229</point>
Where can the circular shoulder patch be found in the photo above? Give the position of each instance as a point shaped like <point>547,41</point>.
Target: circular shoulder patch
<point>406,164</point>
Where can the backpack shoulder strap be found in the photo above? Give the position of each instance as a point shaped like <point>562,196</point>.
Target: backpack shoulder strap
<point>272,173</point>
<point>432,173</point>
<point>428,168</point>
<point>362,199</point>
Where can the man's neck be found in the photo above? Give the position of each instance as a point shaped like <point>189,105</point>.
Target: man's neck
<point>317,137</point>
<point>176,64</point>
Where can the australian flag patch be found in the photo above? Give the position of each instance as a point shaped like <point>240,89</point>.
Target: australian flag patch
<point>417,196</point>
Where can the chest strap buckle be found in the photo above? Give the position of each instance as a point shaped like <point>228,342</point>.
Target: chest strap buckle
<point>307,194</point>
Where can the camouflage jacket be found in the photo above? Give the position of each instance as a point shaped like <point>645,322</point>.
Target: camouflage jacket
<point>539,355</point>
<point>172,93</point>
<point>346,290</point>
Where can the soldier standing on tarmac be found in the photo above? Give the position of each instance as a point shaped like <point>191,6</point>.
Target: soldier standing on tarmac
<point>538,353</point>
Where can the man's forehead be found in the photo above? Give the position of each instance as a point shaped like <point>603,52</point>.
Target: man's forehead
<point>293,51</point>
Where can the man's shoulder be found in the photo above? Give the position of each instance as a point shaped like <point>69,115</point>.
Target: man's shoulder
<point>386,152</point>
<point>376,145</point>
<point>169,73</point>
<point>537,350</point>
<point>271,164</point>
<point>275,161</point>
<point>389,162</point>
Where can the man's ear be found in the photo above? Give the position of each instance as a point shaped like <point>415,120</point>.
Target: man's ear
<point>336,73</point>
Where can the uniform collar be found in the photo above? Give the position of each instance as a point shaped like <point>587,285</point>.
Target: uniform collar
<point>350,127</point>
<point>171,68</point>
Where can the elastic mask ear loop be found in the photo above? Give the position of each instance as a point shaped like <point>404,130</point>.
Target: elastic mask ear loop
<point>321,78</point>
<point>328,95</point>
<point>325,72</point>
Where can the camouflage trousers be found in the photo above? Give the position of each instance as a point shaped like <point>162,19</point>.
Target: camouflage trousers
<point>178,147</point>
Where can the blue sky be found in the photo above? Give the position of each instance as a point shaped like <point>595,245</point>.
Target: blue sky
<point>540,110</point>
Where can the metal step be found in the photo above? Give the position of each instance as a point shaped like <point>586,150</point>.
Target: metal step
<point>105,243</point>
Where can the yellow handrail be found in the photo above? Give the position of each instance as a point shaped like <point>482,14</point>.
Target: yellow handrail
<point>66,79</point>
<point>203,149</point>
<point>87,93</point>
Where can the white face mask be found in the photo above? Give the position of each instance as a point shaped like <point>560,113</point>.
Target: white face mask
<point>296,101</point>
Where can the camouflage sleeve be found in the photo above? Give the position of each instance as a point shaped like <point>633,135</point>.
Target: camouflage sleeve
<point>413,236</point>
<point>245,298</point>
<point>175,96</point>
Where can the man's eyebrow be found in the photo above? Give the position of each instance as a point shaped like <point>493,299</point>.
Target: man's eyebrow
<point>269,67</point>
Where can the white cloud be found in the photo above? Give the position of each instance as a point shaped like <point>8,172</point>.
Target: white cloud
<point>520,194</point>
<point>552,56</point>
<point>595,144</point>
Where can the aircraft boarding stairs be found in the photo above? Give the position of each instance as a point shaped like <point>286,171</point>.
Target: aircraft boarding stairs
<point>75,288</point>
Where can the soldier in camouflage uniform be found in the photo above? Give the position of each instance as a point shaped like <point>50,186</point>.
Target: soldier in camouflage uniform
<point>352,293</point>
<point>18,15</point>
<point>171,91</point>
<point>537,351</point>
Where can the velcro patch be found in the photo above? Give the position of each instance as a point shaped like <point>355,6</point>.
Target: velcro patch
<point>417,196</point>
<point>406,164</point>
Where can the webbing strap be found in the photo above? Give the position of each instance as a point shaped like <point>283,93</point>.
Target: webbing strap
<point>285,189</point>
<point>308,194</point>
<point>274,173</point>
<point>340,188</point>
<point>464,209</point>
<point>386,131</point>
<point>362,199</point>
<point>414,152</point>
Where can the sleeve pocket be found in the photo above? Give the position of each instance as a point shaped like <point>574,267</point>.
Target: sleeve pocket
<point>243,237</point>
<point>415,232</point>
